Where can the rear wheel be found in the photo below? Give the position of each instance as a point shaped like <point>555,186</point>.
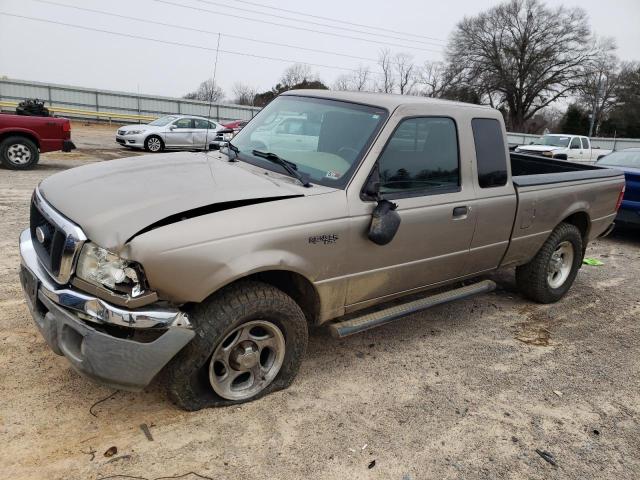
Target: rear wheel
<point>19,153</point>
<point>250,340</point>
<point>153,144</point>
<point>550,274</point>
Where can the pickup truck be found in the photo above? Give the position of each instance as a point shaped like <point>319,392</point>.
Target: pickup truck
<point>23,138</point>
<point>207,269</point>
<point>564,147</point>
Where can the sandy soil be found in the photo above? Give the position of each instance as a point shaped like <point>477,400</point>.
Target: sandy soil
<point>466,390</point>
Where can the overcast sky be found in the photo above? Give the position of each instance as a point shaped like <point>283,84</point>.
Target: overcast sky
<point>63,54</point>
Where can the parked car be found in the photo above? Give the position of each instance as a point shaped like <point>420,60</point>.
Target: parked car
<point>236,125</point>
<point>23,138</point>
<point>628,161</point>
<point>171,132</point>
<point>211,268</point>
<point>574,148</point>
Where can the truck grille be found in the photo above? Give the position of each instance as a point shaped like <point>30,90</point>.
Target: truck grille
<point>56,240</point>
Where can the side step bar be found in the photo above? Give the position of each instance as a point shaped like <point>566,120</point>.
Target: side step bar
<point>381,317</point>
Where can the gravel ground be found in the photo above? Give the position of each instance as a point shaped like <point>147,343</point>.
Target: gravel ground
<point>465,390</point>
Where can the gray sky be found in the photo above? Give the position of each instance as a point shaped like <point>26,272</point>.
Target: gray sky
<point>62,54</point>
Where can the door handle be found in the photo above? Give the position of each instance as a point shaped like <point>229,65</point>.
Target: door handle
<point>459,212</point>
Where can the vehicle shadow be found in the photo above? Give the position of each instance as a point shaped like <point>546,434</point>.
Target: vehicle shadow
<point>624,235</point>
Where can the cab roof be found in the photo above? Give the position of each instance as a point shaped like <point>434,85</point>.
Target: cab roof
<point>389,101</point>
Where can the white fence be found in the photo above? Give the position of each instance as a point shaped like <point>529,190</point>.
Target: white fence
<point>601,142</point>
<point>79,102</point>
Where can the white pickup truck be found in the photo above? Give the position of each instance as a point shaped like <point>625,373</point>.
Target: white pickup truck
<point>574,148</point>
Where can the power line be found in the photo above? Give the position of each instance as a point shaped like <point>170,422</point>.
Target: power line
<point>180,44</point>
<point>208,32</point>
<point>296,27</point>
<point>310,22</point>
<point>320,17</point>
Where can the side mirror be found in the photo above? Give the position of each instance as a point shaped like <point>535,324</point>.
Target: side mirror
<point>385,222</point>
<point>172,127</point>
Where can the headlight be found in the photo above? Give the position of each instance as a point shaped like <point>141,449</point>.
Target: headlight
<point>106,269</point>
<point>133,132</point>
<point>547,154</point>
<point>516,150</point>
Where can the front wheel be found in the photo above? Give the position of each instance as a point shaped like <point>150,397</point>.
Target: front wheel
<point>550,274</point>
<point>153,144</point>
<point>250,340</point>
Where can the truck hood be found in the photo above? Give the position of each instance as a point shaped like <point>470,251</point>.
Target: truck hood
<point>539,148</point>
<point>115,200</point>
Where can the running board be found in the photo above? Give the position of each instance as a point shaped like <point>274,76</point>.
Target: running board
<point>382,317</point>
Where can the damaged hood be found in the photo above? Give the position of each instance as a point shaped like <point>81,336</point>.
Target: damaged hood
<point>113,201</point>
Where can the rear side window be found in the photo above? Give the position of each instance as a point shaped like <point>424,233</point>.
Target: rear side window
<point>490,153</point>
<point>585,143</point>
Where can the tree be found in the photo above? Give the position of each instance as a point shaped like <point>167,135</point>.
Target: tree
<point>244,94</point>
<point>296,74</point>
<point>522,55</point>
<point>624,119</point>
<point>599,88</point>
<point>575,121</point>
<point>385,62</point>
<point>405,72</point>
<point>357,81</point>
<point>208,91</point>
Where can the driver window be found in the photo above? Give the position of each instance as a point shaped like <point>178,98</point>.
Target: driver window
<point>183,123</point>
<point>585,143</point>
<point>421,157</point>
<point>575,143</point>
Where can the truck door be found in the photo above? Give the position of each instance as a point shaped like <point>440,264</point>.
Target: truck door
<point>496,201</point>
<point>180,133</point>
<point>575,150</point>
<point>419,170</point>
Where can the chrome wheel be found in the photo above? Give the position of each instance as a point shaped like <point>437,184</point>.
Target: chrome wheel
<point>154,144</point>
<point>247,360</point>
<point>560,264</point>
<point>19,154</point>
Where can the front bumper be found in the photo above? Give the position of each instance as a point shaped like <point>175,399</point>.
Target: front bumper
<point>134,141</point>
<point>89,332</point>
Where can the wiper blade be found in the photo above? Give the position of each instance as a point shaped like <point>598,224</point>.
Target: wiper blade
<point>290,167</point>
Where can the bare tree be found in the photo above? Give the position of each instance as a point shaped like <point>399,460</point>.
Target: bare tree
<point>295,74</point>
<point>207,91</point>
<point>433,79</point>
<point>357,81</point>
<point>599,89</point>
<point>385,62</point>
<point>405,72</point>
<point>522,55</point>
<point>244,94</point>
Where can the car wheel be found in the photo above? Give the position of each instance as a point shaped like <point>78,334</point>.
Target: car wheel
<point>250,340</point>
<point>550,274</point>
<point>19,153</point>
<point>153,144</point>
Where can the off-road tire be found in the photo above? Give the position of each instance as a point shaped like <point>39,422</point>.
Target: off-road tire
<point>24,142</point>
<point>146,144</point>
<point>187,376</point>
<point>531,278</point>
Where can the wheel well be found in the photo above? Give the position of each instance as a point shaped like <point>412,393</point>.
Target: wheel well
<point>581,221</point>
<point>20,134</point>
<point>296,286</point>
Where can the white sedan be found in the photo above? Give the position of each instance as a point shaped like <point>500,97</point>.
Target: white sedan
<point>172,132</point>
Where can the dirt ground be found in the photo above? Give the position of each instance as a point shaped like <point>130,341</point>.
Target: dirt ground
<point>466,390</point>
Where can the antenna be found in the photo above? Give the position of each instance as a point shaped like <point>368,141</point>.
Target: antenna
<point>213,86</point>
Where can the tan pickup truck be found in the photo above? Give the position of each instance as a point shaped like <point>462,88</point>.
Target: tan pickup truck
<point>210,267</point>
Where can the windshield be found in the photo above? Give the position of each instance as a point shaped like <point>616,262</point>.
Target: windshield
<point>621,159</point>
<point>325,139</point>
<point>162,121</point>
<point>553,141</point>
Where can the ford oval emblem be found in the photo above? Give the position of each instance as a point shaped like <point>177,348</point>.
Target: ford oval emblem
<point>41,235</point>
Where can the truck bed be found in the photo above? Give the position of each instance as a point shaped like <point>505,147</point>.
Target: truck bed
<point>530,170</point>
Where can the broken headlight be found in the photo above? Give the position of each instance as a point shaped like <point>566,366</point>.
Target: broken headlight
<point>106,269</point>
